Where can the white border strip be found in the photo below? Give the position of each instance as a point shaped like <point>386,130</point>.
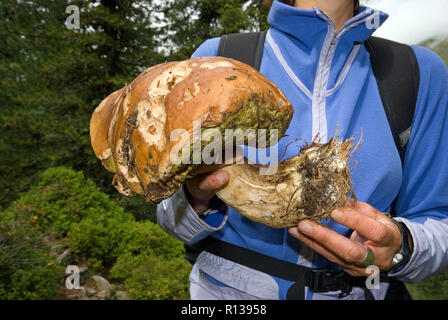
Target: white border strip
<point>286,67</point>
<point>345,69</point>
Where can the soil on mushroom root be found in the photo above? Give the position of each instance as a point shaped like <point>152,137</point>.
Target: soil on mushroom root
<point>327,179</point>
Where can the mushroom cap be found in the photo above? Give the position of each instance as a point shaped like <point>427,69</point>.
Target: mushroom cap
<point>136,130</point>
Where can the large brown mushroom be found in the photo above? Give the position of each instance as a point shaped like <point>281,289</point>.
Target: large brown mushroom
<point>141,132</point>
<point>131,130</point>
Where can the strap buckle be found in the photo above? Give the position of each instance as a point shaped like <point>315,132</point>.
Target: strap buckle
<point>325,280</point>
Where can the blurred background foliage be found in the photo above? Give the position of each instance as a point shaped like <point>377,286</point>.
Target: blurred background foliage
<point>64,208</point>
<point>52,188</point>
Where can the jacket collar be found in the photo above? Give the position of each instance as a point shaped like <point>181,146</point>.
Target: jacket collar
<point>308,26</point>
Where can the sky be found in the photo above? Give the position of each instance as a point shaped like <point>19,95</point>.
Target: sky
<point>412,21</point>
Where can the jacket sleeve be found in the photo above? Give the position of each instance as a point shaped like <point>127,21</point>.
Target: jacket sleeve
<point>423,200</point>
<point>175,214</point>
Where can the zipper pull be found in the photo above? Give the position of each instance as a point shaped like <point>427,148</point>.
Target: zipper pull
<point>335,37</point>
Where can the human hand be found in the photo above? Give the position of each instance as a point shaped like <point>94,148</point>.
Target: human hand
<point>371,228</point>
<point>205,180</point>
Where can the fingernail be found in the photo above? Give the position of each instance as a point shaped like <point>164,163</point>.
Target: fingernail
<point>305,227</point>
<point>337,214</point>
<point>221,177</point>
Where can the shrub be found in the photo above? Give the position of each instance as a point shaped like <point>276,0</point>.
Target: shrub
<point>26,269</point>
<point>96,241</point>
<point>151,277</point>
<point>64,205</point>
<point>102,241</point>
<point>148,238</point>
<point>64,197</point>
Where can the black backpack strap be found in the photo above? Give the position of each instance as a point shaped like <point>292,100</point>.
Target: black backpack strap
<point>317,280</point>
<point>245,47</point>
<point>397,74</point>
<point>398,77</point>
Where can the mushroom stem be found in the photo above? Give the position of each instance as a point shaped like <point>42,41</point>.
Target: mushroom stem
<point>309,185</point>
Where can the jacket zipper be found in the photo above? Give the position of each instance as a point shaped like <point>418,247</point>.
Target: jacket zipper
<point>322,75</point>
<point>335,38</point>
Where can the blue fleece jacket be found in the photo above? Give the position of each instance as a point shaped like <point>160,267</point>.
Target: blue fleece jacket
<point>327,77</point>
